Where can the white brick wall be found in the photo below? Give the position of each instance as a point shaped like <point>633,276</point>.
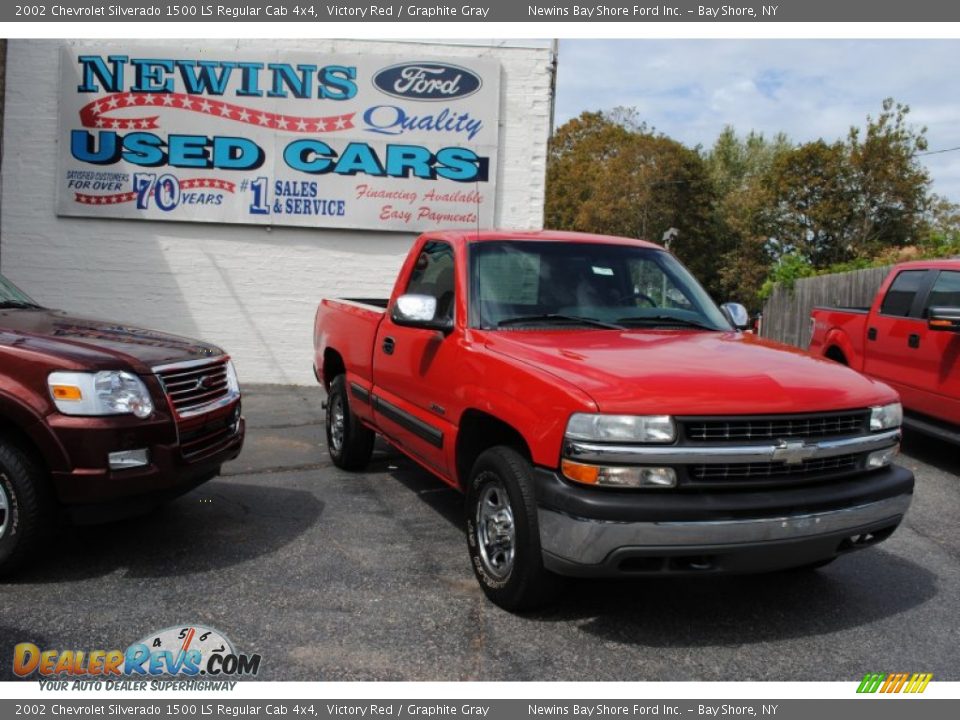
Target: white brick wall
<point>252,290</point>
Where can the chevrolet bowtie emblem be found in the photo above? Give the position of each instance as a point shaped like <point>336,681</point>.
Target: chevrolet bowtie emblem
<point>793,452</point>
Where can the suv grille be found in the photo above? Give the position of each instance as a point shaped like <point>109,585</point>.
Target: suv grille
<point>195,387</point>
<point>775,427</point>
<point>753,472</point>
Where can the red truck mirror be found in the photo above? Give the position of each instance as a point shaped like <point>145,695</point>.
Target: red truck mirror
<point>944,319</point>
<point>419,311</point>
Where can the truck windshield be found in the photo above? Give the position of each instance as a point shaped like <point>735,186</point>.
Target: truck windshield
<point>516,283</point>
<point>12,296</point>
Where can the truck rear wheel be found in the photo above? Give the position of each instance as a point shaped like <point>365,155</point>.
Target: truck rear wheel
<point>503,535</point>
<point>349,442</point>
<point>24,506</point>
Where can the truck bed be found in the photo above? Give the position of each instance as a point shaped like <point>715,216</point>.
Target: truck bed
<point>354,321</point>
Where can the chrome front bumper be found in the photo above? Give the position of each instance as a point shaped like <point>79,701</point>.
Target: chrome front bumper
<point>569,543</point>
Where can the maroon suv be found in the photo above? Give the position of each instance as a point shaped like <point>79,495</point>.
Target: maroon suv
<point>102,420</point>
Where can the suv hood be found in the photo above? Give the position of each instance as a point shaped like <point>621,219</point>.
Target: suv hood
<point>682,372</point>
<point>97,344</point>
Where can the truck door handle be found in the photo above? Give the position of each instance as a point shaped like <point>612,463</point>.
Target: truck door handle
<point>388,345</point>
<point>872,334</point>
<point>914,340</point>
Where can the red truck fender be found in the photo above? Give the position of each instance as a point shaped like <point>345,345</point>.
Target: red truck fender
<point>837,346</point>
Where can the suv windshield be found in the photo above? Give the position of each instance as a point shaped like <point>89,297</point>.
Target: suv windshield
<point>12,296</point>
<point>517,283</point>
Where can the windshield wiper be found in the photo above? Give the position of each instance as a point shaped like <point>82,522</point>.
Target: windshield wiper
<point>17,304</point>
<point>666,320</point>
<point>558,318</point>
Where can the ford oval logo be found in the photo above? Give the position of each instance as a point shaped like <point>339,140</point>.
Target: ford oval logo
<point>427,81</point>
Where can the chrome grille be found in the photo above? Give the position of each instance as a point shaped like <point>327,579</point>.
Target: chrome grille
<point>736,472</point>
<point>195,386</point>
<point>774,427</point>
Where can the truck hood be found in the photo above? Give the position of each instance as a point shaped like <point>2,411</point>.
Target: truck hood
<point>96,344</point>
<point>682,372</point>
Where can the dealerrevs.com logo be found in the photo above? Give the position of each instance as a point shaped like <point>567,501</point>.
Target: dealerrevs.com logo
<point>887,683</point>
<point>184,652</point>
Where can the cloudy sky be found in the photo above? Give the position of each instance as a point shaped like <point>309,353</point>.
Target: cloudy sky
<point>690,89</point>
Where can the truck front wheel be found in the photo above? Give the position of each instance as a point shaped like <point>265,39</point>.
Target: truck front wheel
<point>503,534</point>
<point>349,442</point>
<point>24,506</point>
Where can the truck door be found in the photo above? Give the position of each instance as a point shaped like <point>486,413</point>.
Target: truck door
<point>895,328</point>
<point>415,370</point>
<point>938,357</point>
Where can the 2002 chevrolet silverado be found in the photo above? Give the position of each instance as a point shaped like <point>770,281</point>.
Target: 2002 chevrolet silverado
<point>99,420</point>
<point>604,417</point>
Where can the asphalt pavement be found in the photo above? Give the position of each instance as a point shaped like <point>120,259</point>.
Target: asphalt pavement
<point>337,576</point>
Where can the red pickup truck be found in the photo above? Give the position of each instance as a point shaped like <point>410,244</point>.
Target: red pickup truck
<point>100,420</point>
<point>604,417</point>
<point>909,338</point>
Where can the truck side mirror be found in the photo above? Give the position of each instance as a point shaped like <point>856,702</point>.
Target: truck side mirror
<point>944,319</point>
<point>419,311</point>
<point>737,315</point>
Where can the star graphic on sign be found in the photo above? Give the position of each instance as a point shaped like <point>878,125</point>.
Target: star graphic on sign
<point>98,108</point>
<point>282,123</point>
<point>187,103</point>
<point>101,122</point>
<point>131,99</point>
<point>321,125</point>
<point>149,99</point>
<point>225,110</point>
<point>301,125</point>
<point>115,124</point>
<point>244,115</point>
<point>264,120</point>
<point>340,124</point>
<point>167,100</point>
<point>205,106</point>
<point>144,123</point>
<point>112,102</point>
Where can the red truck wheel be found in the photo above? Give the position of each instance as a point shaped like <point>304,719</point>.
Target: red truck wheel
<point>23,506</point>
<point>349,443</point>
<point>503,535</point>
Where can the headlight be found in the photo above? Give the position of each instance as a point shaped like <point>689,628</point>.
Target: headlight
<point>110,392</point>
<point>620,476</point>
<point>622,428</point>
<point>233,383</point>
<point>886,417</point>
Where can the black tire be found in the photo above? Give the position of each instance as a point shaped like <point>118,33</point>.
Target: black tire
<point>514,579</point>
<point>25,506</point>
<point>349,442</point>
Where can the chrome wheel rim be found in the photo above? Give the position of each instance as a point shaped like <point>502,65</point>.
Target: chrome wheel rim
<point>4,508</point>
<point>336,424</point>
<point>496,532</point>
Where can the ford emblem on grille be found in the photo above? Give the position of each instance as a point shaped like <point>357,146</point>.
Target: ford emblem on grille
<point>427,81</point>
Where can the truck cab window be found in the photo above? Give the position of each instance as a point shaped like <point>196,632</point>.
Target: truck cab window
<point>900,296</point>
<point>945,291</point>
<point>434,275</point>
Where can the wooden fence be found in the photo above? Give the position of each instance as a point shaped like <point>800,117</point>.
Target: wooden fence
<point>786,313</point>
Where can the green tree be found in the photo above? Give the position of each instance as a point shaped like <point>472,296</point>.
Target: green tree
<point>611,174</point>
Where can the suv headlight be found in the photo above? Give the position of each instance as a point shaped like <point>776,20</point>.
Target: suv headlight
<point>622,428</point>
<point>109,392</point>
<point>886,417</point>
<point>233,383</point>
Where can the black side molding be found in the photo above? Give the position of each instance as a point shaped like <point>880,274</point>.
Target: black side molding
<point>360,393</point>
<point>422,430</point>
